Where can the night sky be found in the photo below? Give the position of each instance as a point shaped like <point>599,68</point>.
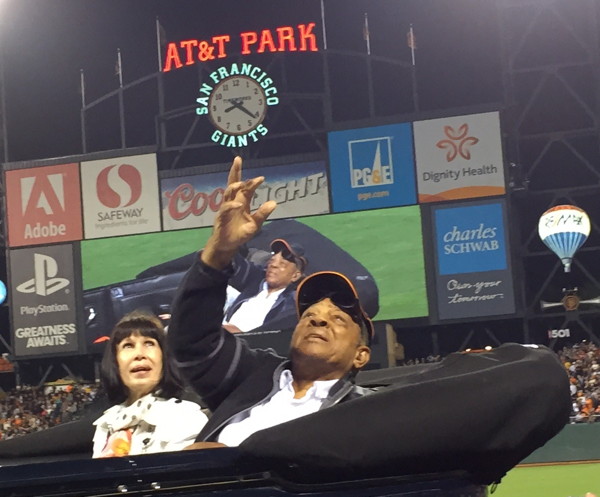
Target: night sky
<point>45,43</point>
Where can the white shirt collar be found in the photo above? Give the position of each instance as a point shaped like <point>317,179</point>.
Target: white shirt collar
<point>252,313</point>
<point>319,389</point>
<point>274,294</point>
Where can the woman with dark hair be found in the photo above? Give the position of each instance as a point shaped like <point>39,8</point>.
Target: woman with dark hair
<point>141,379</point>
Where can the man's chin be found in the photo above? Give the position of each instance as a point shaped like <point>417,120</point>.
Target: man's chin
<point>310,349</point>
<point>272,284</point>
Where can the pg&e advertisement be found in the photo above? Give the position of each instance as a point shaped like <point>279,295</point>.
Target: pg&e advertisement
<point>371,168</point>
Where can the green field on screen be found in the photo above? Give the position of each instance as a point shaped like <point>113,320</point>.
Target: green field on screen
<point>388,242</point>
<point>110,260</point>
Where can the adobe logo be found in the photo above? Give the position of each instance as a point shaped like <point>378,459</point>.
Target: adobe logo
<point>43,204</point>
<point>119,186</point>
<point>45,192</point>
<point>44,281</point>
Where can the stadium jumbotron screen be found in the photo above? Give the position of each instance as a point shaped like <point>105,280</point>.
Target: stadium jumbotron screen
<point>387,242</point>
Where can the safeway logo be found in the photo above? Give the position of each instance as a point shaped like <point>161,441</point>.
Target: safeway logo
<point>45,192</point>
<point>457,143</point>
<point>119,186</point>
<point>44,281</point>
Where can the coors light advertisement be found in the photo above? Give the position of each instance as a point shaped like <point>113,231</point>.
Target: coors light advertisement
<point>192,201</point>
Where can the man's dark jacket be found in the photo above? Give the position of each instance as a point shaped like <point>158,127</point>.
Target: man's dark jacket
<point>249,278</point>
<point>228,375</point>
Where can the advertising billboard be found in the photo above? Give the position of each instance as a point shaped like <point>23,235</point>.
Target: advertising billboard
<point>459,157</point>
<point>43,205</point>
<point>371,168</point>
<point>120,196</point>
<point>44,293</point>
<point>300,189</point>
<point>473,273</point>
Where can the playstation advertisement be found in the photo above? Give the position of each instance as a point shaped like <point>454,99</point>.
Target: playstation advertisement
<point>44,301</point>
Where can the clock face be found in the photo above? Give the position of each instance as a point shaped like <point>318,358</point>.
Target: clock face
<point>237,105</point>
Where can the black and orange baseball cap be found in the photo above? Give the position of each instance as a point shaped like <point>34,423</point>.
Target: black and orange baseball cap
<point>291,251</point>
<point>341,291</point>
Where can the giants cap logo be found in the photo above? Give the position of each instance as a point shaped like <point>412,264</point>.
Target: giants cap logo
<point>119,186</point>
<point>45,192</point>
<point>44,281</point>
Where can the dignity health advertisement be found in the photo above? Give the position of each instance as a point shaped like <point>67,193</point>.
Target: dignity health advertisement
<point>459,157</point>
<point>299,189</point>
<point>473,274</point>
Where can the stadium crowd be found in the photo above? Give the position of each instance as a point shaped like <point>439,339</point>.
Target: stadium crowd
<point>27,409</point>
<point>582,362</point>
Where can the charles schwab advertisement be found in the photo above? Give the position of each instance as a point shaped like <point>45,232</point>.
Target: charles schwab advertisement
<point>43,301</point>
<point>473,276</point>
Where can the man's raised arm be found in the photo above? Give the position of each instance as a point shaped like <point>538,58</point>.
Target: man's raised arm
<point>235,224</point>
<point>205,352</point>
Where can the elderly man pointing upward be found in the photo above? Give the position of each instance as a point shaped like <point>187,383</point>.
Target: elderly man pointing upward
<point>247,389</point>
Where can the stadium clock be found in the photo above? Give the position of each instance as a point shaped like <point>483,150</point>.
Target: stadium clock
<point>236,105</point>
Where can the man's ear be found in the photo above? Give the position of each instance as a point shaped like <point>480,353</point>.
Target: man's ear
<point>362,357</point>
<point>296,276</point>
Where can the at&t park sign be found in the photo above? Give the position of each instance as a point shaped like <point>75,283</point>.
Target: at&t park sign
<point>300,38</point>
<point>236,98</point>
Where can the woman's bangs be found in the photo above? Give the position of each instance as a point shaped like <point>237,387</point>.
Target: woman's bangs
<point>137,327</point>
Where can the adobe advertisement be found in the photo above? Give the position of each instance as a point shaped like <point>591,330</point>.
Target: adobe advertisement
<point>192,201</point>
<point>43,205</point>
<point>43,301</point>
<point>120,196</point>
<point>459,157</point>
<point>371,168</point>
<point>473,276</point>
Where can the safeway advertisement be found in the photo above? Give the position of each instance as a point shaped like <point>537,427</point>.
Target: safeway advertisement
<point>43,205</point>
<point>299,190</point>
<point>120,196</point>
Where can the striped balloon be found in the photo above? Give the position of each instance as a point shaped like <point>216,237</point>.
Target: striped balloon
<point>564,229</point>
